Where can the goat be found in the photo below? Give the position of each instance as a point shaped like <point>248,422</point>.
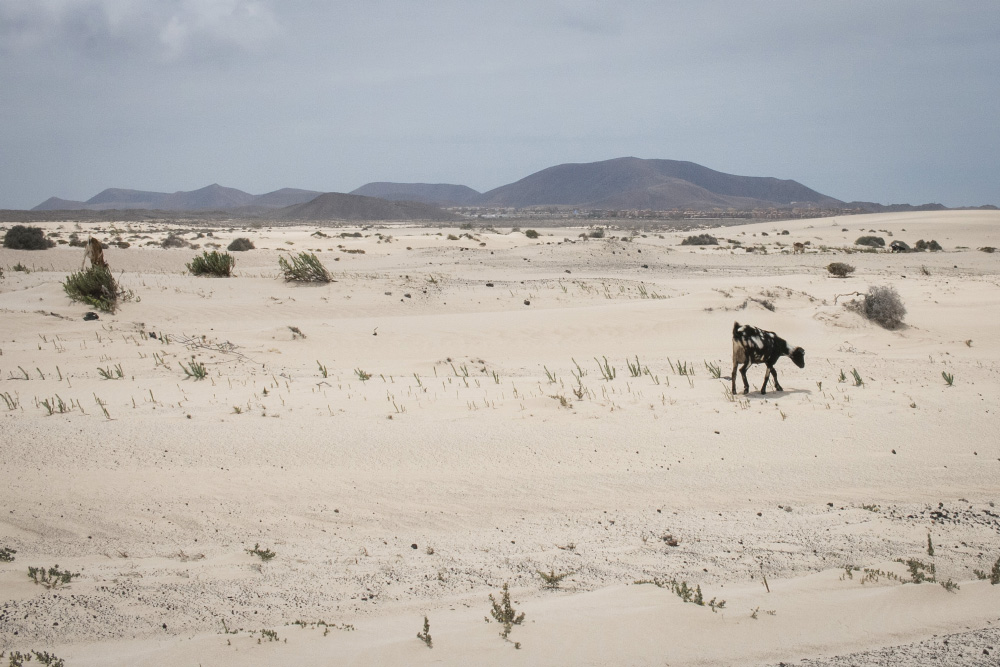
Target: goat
<point>798,248</point>
<point>756,346</point>
<point>94,252</point>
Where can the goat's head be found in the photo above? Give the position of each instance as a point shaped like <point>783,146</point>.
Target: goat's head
<point>798,355</point>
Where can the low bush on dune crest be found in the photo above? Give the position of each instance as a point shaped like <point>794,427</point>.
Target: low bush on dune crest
<point>882,305</point>
<point>20,237</point>
<point>240,245</point>
<point>213,263</point>
<point>304,267</point>
<point>96,287</point>
<point>839,269</point>
<point>871,241</point>
<point>700,239</point>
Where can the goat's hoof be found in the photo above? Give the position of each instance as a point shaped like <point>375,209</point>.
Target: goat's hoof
<point>746,391</point>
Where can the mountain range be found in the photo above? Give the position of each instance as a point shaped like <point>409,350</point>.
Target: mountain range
<point>617,184</point>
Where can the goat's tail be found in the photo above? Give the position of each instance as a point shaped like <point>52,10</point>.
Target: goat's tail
<point>736,326</point>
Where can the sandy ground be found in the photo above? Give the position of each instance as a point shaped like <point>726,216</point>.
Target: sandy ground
<point>442,427</point>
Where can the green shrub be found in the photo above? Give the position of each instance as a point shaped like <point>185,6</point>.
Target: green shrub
<point>20,237</point>
<point>839,269</point>
<point>213,263</point>
<point>924,246</point>
<point>96,287</point>
<point>304,267</point>
<point>871,241</point>
<point>597,233</point>
<point>882,306</point>
<point>531,233</point>
<point>700,239</point>
<point>240,245</point>
<point>174,241</point>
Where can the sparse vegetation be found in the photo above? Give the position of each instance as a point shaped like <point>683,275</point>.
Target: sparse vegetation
<point>215,263</point>
<point>839,269</point>
<point>425,634</point>
<point>194,370</point>
<point>96,287</point>
<point>7,554</point>
<point>52,577</point>
<point>993,576</point>
<point>17,659</point>
<point>174,240</point>
<point>552,579</point>
<point>504,613</point>
<point>240,245</point>
<point>700,239</point>
<point>264,554</point>
<point>20,237</point>
<point>925,246</point>
<point>304,267</point>
<point>531,233</point>
<point>949,378</point>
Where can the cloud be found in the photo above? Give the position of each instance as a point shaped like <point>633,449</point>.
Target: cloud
<point>164,30</point>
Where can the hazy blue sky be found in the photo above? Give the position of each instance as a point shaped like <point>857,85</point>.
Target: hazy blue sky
<point>890,101</point>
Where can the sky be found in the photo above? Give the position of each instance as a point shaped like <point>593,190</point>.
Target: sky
<point>893,101</point>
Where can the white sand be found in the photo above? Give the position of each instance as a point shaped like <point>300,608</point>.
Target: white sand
<point>489,474</point>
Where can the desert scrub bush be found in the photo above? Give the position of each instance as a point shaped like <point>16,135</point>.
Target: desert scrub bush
<point>240,245</point>
<point>305,268</point>
<point>531,233</point>
<point>993,576</point>
<point>7,555</point>
<point>96,287</point>
<point>882,305</point>
<point>839,269</point>
<point>552,579</point>
<point>194,370</point>
<point>871,241</point>
<point>20,237</point>
<point>925,246</point>
<point>700,239</point>
<point>215,263</point>
<point>504,613</point>
<point>17,659</point>
<point>264,554</point>
<point>52,577</point>
<point>174,240</point>
<point>425,634</point>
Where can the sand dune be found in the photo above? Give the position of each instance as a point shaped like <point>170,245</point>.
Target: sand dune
<point>443,428</point>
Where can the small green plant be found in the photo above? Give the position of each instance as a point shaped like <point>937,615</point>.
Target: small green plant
<point>96,287</point>
<point>322,369</point>
<point>425,634</point>
<point>930,546</point>
<point>7,554</point>
<point>635,370</point>
<point>842,378</point>
<point>237,410</point>
<point>949,586</point>
<point>51,578</point>
<point>240,245</point>
<point>215,263</point>
<point>17,659</point>
<point>111,373</point>
<point>919,571</point>
<point>504,613</point>
<point>949,378</point>
<point>304,267</point>
<point>11,401</point>
<point>20,237</point>
<point>714,370</point>
<point>362,375</point>
<point>552,579</point>
<point>857,377</point>
<point>194,370</point>
<point>550,375</point>
<point>264,554</point>
<point>607,372</point>
<point>993,576</point>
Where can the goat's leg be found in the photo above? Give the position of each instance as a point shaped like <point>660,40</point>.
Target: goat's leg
<point>774,374</point>
<point>733,376</point>
<point>743,372</point>
<point>767,374</point>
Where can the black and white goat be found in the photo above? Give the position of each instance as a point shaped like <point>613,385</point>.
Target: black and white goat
<point>756,346</point>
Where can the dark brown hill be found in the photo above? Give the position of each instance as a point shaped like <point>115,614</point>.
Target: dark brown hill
<point>340,206</point>
<point>441,194</point>
<point>636,183</point>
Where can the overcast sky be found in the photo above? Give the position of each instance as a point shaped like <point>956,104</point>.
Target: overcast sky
<point>887,101</point>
